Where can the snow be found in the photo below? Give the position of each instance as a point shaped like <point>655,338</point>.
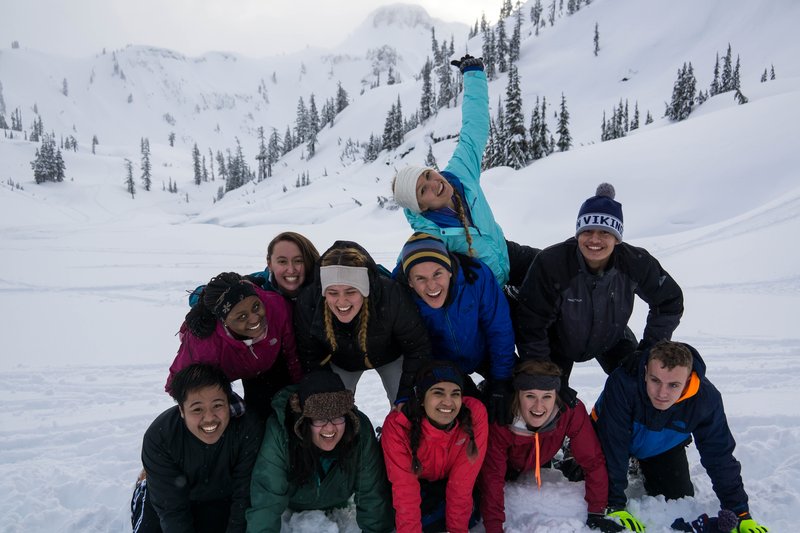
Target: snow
<point>92,282</point>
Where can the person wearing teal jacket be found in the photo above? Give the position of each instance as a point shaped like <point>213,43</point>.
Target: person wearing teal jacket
<point>450,204</point>
<point>318,451</point>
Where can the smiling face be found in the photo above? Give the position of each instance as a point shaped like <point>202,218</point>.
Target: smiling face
<point>344,302</point>
<point>442,402</point>
<point>206,413</point>
<point>287,266</point>
<point>596,247</point>
<point>326,434</point>
<point>247,318</point>
<point>536,407</point>
<point>665,386</point>
<point>433,191</point>
<point>431,281</point>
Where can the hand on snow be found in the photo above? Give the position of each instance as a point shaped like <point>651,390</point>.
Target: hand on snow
<point>600,522</point>
<point>628,520</point>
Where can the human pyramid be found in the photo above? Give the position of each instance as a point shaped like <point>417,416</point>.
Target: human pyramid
<point>461,301</point>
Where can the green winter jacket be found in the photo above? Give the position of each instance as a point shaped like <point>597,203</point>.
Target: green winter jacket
<point>272,493</point>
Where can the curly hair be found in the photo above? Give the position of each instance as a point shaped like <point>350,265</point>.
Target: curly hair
<point>200,320</point>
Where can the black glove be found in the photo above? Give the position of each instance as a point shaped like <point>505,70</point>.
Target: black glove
<point>467,63</point>
<point>498,401</point>
<point>571,469</point>
<point>631,363</point>
<point>599,521</point>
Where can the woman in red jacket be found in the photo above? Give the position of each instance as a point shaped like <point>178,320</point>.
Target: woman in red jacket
<point>541,421</point>
<point>434,447</point>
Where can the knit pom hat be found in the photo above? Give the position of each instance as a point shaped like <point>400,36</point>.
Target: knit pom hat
<point>601,212</point>
<point>434,372</point>
<point>321,395</point>
<point>422,248</point>
<point>405,187</point>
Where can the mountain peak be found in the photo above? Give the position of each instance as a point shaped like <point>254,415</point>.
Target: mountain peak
<point>401,15</point>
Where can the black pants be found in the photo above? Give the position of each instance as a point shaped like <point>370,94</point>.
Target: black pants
<point>667,474</point>
<point>609,360</point>
<point>207,516</point>
<point>432,506</point>
<point>259,391</point>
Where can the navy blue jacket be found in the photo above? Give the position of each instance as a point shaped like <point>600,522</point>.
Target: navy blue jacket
<point>473,328</point>
<point>629,425</point>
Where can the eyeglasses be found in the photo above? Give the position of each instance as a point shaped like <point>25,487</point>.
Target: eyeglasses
<point>320,422</point>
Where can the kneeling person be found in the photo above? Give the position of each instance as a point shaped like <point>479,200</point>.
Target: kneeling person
<point>652,416</point>
<point>197,459</point>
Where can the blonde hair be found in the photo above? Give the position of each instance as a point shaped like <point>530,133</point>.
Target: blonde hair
<point>355,258</point>
<point>462,216</point>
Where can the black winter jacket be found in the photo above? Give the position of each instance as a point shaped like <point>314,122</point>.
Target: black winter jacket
<point>395,328</point>
<point>566,310</point>
<point>181,469</point>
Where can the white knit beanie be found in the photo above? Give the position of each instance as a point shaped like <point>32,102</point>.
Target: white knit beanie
<point>405,187</point>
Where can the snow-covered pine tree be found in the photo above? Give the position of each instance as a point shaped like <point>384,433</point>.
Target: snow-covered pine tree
<point>536,149</point>
<point>635,120</point>
<point>735,80</point>
<point>95,142</point>
<point>145,165</point>
<point>726,79</point>
<point>516,38</point>
<point>536,14</point>
<point>262,156</point>
<point>604,128</point>
<point>505,11</point>
<point>596,39</point>
<point>648,119</point>
<point>313,116</point>
<point>764,76</point>
<point>273,151</point>
<point>446,92</point>
<point>715,82</point>
<point>426,101</point>
<point>171,138</point>
<point>223,168</point>
<point>44,162</point>
<point>130,185</point>
<point>564,142</point>
<point>488,52</point>
<point>388,129</point>
<point>301,122</point>
<point>398,130</point>
<point>430,159</point>
<point>288,141</point>
<point>64,87</point>
<point>516,144</point>
<point>772,72</point>
<point>501,46</point>
<point>342,98</point>
<point>437,57</point>
<point>198,171</point>
<point>544,132</point>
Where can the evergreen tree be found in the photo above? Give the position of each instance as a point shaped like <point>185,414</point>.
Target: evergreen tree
<point>516,143</point>
<point>388,129</point>
<point>537,151</point>
<point>288,141</point>
<point>426,101</point>
<point>46,163</point>
<point>130,185</point>
<point>596,39</point>
<point>430,160</point>
<point>516,39</point>
<point>446,92</point>
<point>223,169</point>
<point>211,163</point>
<point>146,168</point>
<point>390,80</point>
<point>2,104</point>
<point>735,80</point>
<point>772,72</point>
<point>64,87</point>
<point>398,131</point>
<point>551,17</point>
<point>564,139</point>
<point>437,57</point>
<point>198,172</point>
<point>505,11</point>
<point>648,119</point>
<point>683,94</point>
<point>635,121</point>
<point>301,123</point>
<point>726,80</point>
<point>501,47</point>
<point>544,132</point>
<point>740,98</point>
<point>263,155</point>
<point>764,76</point>
<point>273,151</point>
<point>341,98</point>
<point>536,14</point>
<point>715,83</point>
<point>95,142</point>
<point>488,53</point>
<point>500,139</point>
<point>313,116</point>
<point>205,169</point>
<point>171,138</point>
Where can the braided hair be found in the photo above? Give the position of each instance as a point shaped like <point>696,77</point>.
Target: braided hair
<point>462,216</point>
<point>354,258</point>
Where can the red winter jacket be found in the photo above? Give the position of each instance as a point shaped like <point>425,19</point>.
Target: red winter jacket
<point>512,447</point>
<point>240,359</point>
<point>443,454</point>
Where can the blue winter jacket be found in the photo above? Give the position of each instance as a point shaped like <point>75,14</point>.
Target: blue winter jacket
<point>629,425</point>
<point>464,169</point>
<point>473,328</point>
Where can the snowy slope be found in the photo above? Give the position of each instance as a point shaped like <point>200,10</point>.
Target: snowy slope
<point>92,282</point>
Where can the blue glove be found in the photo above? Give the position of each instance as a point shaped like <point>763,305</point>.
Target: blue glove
<point>628,520</point>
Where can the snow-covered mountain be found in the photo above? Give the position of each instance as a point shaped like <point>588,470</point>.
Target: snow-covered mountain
<point>92,282</point>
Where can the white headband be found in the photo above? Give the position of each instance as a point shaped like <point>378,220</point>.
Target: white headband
<point>405,187</point>
<point>356,277</point>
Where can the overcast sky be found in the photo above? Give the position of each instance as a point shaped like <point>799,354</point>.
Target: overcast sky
<point>250,27</point>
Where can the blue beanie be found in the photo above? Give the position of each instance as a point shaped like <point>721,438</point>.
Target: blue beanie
<point>422,248</point>
<point>601,212</point>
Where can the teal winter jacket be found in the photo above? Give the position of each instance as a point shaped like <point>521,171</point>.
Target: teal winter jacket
<point>488,241</point>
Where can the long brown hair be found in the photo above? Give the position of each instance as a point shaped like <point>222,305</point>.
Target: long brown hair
<point>307,250</point>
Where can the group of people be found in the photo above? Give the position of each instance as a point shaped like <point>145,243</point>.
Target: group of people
<point>462,301</point>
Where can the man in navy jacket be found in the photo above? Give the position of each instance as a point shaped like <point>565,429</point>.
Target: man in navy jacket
<point>653,415</point>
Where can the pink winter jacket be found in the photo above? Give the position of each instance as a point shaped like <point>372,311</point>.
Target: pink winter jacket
<point>239,359</point>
